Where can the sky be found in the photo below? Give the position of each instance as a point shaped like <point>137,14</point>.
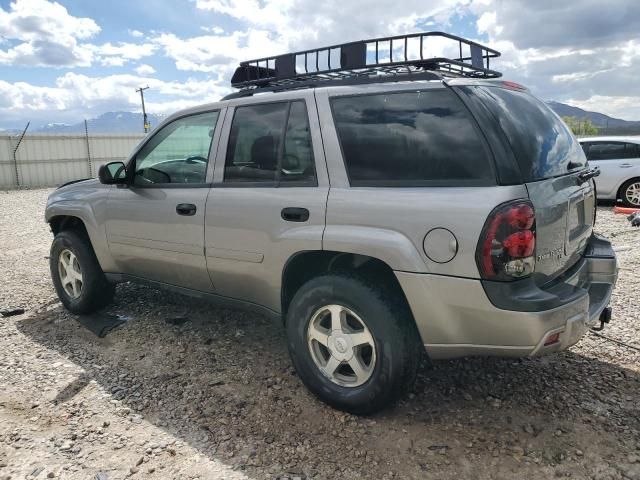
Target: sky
<point>67,60</point>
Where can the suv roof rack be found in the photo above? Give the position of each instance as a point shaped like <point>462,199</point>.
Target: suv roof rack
<point>375,60</point>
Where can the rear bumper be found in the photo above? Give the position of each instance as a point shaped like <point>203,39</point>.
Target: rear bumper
<point>456,318</point>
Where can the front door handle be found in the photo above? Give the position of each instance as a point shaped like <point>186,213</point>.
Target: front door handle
<point>186,209</point>
<point>295,214</point>
<point>626,165</point>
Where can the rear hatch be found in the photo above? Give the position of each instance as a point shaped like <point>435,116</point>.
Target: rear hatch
<point>550,159</point>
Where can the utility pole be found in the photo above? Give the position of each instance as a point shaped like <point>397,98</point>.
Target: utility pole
<point>144,112</point>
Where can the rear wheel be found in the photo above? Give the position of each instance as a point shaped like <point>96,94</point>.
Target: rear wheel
<point>630,193</point>
<point>77,277</point>
<point>353,344</point>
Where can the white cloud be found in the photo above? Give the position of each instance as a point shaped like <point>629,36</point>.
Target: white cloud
<point>145,70</point>
<point>582,52</point>
<point>218,53</point>
<point>621,106</point>
<point>76,96</point>
<point>217,30</point>
<point>303,23</point>
<point>46,33</point>
<point>109,54</point>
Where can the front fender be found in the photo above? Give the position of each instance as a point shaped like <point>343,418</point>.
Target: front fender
<point>89,205</point>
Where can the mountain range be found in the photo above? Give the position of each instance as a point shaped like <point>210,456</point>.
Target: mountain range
<point>599,120</point>
<point>128,122</point>
<point>110,122</point>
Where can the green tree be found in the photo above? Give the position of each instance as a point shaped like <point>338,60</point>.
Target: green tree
<point>581,126</point>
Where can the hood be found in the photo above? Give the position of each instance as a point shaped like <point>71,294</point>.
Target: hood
<point>74,181</point>
<point>82,183</point>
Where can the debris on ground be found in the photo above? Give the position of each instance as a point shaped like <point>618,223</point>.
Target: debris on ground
<point>101,323</point>
<point>218,398</point>
<point>11,311</point>
<point>178,320</point>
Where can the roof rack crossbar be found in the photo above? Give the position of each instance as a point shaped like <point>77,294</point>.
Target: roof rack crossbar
<point>343,80</point>
<point>387,55</point>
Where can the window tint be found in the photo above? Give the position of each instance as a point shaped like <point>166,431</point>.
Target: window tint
<point>612,151</point>
<point>543,145</point>
<point>178,153</point>
<point>270,143</point>
<point>297,159</point>
<point>412,138</point>
<point>585,148</point>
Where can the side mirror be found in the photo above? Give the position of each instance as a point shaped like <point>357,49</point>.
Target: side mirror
<point>112,173</point>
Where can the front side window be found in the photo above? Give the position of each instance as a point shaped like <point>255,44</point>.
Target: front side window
<point>611,151</point>
<point>410,138</point>
<point>270,144</point>
<point>178,153</point>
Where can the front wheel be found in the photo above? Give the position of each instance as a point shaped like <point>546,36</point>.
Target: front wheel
<point>630,193</point>
<point>354,345</point>
<point>77,277</point>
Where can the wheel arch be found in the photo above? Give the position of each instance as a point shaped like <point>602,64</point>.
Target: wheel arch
<point>619,192</point>
<point>79,216</point>
<point>306,265</point>
<point>59,223</point>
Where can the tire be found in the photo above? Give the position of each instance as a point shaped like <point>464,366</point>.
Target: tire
<point>624,190</point>
<point>393,362</point>
<point>88,292</point>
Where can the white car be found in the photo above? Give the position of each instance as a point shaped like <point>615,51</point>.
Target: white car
<point>619,161</point>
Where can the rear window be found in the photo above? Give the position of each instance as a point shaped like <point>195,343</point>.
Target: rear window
<point>542,143</point>
<point>410,139</point>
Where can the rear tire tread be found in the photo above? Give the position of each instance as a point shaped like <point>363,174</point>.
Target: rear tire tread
<point>404,359</point>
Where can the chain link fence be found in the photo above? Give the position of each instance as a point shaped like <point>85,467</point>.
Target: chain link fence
<point>43,160</point>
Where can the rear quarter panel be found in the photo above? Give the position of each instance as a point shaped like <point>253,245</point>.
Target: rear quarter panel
<point>390,223</point>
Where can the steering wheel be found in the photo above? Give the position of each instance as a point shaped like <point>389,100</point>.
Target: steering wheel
<point>195,159</point>
<point>187,173</point>
<point>163,177</point>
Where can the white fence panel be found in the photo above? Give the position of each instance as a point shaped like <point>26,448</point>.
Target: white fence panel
<point>49,160</point>
<point>7,170</point>
<point>109,148</point>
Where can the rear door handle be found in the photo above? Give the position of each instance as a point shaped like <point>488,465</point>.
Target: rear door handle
<point>186,209</point>
<point>626,165</point>
<point>295,214</point>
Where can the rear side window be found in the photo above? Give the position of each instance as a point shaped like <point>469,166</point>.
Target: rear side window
<point>611,150</point>
<point>542,143</point>
<point>410,139</point>
<point>270,144</point>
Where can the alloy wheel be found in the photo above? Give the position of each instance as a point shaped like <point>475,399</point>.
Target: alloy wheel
<point>70,273</point>
<point>341,345</point>
<point>632,194</point>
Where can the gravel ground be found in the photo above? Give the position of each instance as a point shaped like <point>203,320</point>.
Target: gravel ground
<point>216,396</point>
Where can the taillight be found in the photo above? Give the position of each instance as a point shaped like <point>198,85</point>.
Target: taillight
<point>506,250</point>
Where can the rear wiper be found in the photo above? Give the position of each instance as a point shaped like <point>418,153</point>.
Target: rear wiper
<point>588,175</point>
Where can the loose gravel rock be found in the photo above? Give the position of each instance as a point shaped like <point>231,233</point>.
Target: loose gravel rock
<point>215,396</point>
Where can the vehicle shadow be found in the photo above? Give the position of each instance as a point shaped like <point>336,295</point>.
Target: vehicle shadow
<point>222,382</point>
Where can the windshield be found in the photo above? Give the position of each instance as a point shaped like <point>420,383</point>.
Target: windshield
<point>542,143</point>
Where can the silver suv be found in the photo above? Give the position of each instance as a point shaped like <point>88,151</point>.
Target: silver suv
<point>377,208</point>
